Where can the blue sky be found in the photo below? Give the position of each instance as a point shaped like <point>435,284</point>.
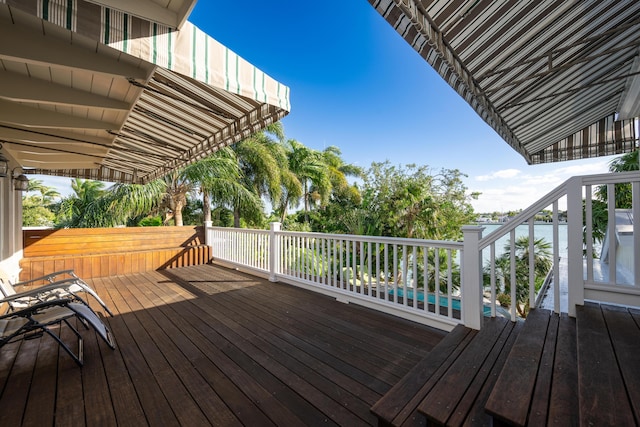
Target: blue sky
<point>357,85</point>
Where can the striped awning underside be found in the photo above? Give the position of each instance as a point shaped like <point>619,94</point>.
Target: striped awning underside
<point>547,76</point>
<point>196,97</point>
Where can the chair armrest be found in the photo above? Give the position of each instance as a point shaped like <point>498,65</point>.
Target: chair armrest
<point>33,293</point>
<point>49,277</point>
<point>32,309</point>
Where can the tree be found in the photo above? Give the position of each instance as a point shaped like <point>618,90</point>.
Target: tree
<point>47,195</point>
<point>306,171</point>
<point>217,177</point>
<point>34,214</point>
<point>343,212</point>
<point>542,263</point>
<point>86,207</point>
<point>220,182</point>
<point>412,202</point>
<point>626,163</point>
<point>338,172</point>
<point>36,208</point>
<point>261,160</point>
<point>623,194</point>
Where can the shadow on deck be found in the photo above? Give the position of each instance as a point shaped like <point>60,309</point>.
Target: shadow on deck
<point>205,345</point>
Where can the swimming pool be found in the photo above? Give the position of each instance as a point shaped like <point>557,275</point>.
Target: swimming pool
<point>431,299</point>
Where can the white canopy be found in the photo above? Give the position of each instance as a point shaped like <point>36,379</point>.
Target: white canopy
<point>111,90</point>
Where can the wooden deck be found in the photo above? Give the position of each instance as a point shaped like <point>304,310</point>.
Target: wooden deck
<point>548,370</point>
<point>205,345</point>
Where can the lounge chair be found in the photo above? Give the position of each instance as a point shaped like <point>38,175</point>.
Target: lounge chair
<point>66,288</point>
<point>19,324</point>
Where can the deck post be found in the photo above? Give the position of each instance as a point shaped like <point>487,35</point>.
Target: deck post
<point>471,286</point>
<point>274,250</point>
<point>575,261</point>
<point>207,238</point>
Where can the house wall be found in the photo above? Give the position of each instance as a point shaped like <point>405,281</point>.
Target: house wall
<point>10,223</point>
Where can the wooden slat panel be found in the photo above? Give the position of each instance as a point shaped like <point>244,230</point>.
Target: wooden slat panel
<point>108,240</point>
<point>103,265</point>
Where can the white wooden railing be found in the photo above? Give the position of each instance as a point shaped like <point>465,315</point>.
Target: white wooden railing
<point>384,273</point>
<point>583,273</point>
<point>406,277</point>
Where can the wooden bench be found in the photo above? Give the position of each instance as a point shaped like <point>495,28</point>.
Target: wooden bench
<point>537,385</point>
<point>99,252</point>
<point>452,383</point>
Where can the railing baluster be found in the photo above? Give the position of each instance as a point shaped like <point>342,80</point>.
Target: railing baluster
<point>395,273</point>
<point>513,279</point>
<point>414,278</point>
<point>635,211</point>
<point>492,257</point>
<point>588,205</point>
<point>436,276</point>
<point>386,271</point>
<point>347,260</point>
<point>556,259</point>
<point>404,276</point>
<point>378,284</point>
<point>369,266</point>
<point>611,228</point>
<point>334,276</point>
<point>425,279</point>
<point>362,281</point>
<point>450,281</point>
<point>322,273</point>
<point>532,270</point>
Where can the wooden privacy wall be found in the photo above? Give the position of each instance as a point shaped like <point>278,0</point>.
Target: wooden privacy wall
<point>99,252</point>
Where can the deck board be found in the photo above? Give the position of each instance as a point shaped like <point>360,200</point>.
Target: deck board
<point>624,332</point>
<point>602,394</point>
<point>563,399</point>
<point>205,345</point>
<point>439,404</point>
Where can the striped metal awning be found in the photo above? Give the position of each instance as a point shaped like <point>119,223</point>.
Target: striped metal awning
<point>92,91</point>
<point>557,80</point>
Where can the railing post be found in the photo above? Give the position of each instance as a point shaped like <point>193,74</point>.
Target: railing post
<point>575,261</point>
<point>207,238</point>
<point>472,285</point>
<point>274,251</point>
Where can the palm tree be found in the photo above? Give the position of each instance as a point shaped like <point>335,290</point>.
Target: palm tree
<point>306,171</point>
<point>542,263</point>
<point>339,170</point>
<point>47,194</point>
<point>261,160</point>
<point>220,182</point>
<point>216,177</point>
<point>84,208</point>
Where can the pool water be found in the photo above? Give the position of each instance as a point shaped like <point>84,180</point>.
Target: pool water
<point>431,299</point>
